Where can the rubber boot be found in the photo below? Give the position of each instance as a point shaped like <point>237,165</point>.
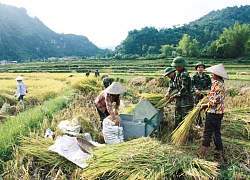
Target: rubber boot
<point>203,151</point>
<point>220,158</point>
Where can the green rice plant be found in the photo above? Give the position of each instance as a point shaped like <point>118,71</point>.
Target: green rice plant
<point>25,122</point>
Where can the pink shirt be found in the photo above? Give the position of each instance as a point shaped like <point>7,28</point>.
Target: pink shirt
<point>104,101</point>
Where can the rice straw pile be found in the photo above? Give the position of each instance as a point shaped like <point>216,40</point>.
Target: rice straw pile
<point>152,98</point>
<point>146,158</point>
<point>164,101</point>
<point>158,100</point>
<point>181,133</point>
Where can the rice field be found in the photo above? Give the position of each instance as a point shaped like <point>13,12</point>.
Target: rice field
<point>142,155</point>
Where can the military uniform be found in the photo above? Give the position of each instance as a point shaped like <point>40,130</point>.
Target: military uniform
<point>107,81</point>
<point>184,97</point>
<point>200,83</point>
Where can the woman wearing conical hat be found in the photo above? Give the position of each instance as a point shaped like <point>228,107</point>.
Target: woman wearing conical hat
<point>214,110</point>
<point>21,88</point>
<point>104,101</point>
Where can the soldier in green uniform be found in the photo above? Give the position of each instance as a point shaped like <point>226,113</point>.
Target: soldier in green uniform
<point>107,81</point>
<point>170,73</point>
<point>184,97</point>
<point>201,82</point>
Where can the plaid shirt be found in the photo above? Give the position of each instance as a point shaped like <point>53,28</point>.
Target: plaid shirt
<point>104,101</point>
<point>216,98</point>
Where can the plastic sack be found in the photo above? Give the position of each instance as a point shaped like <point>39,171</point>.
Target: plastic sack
<point>70,127</point>
<point>112,134</point>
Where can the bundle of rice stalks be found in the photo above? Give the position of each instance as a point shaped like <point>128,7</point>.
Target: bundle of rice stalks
<point>146,158</point>
<point>181,133</point>
<point>152,98</point>
<point>164,101</point>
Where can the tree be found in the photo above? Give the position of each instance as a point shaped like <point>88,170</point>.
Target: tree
<point>194,49</point>
<point>233,41</point>
<point>166,50</point>
<point>188,48</point>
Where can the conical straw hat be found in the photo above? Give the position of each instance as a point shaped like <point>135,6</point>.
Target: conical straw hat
<point>219,70</point>
<point>115,88</point>
<point>19,78</point>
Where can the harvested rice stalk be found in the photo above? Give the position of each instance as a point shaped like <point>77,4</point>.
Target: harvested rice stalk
<point>146,158</point>
<point>152,98</point>
<point>164,101</point>
<point>38,148</point>
<point>181,133</point>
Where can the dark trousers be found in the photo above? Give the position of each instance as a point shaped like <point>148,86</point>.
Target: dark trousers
<point>213,126</point>
<point>101,114</point>
<point>20,98</point>
<point>180,113</point>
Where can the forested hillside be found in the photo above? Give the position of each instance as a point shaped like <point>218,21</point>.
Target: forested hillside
<point>205,30</point>
<point>222,33</point>
<point>23,37</point>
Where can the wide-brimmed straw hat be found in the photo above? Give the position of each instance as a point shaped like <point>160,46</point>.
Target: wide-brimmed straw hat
<point>19,78</point>
<point>115,88</point>
<point>219,70</point>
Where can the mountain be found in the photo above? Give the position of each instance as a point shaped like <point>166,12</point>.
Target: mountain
<point>24,37</point>
<point>205,30</point>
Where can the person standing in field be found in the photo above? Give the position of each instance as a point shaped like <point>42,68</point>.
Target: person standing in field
<point>87,73</point>
<point>184,97</point>
<point>170,73</point>
<point>104,101</point>
<point>107,81</point>
<point>21,88</point>
<point>201,82</point>
<point>214,110</point>
<point>97,73</point>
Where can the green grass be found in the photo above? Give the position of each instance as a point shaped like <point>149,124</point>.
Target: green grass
<point>29,120</point>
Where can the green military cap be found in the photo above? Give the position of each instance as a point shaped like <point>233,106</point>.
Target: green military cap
<point>179,61</point>
<point>168,70</point>
<point>200,64</point>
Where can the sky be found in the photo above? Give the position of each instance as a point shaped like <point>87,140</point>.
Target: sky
<point>107,22</point>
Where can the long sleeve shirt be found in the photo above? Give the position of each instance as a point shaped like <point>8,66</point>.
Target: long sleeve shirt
<point>201,82</point>
<point>21,89</point>
<point>182,81</point>
<point>104,101</point>
<point>216,97</point>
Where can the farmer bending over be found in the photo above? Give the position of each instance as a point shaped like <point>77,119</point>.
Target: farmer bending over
<point>104,101</point>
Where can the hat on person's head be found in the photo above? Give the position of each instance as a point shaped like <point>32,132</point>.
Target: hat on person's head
<point>168,70</point>
<point>219,70</point>
<point>19,78</point>
<point>115,88</point>
<point>200,64</point>
<point>179,61</point>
